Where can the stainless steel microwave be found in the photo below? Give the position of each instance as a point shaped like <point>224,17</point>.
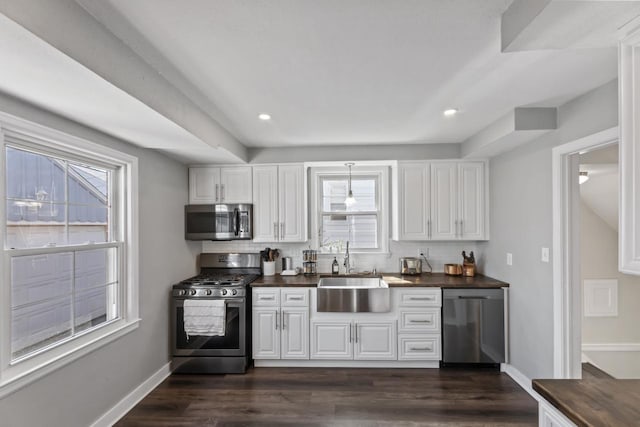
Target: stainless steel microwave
<point>218,222</point>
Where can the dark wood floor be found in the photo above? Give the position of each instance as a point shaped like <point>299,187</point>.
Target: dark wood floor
<point>337,397</point>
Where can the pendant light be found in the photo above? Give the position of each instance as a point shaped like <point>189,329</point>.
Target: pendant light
<point>350,200</point>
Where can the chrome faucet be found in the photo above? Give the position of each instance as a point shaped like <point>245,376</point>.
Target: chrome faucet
<point>347,264</point>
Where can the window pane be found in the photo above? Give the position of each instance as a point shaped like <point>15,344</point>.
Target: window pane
<point>95,300</point>
<point>88,185</point>
<point>38,212</point>
<point>360,230</point>
<point>33,176</point>
<point>334,193</point>
<point>41,289</point>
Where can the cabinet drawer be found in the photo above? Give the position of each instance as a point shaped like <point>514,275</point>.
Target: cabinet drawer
<point>266,297</point>
<point>419,347</point>
<point>427,320</point>
<point>420,297</point>
<point>295,297</point>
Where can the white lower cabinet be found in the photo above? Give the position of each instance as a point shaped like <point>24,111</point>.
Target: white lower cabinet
<point>288,327</point>
<point>280,321</point>
<point>358,340</point>
<point>549,416</point>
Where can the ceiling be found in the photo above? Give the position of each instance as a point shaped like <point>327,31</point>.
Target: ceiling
<point>331,72</point>
<point>351,72</point>
<point>601,191</point>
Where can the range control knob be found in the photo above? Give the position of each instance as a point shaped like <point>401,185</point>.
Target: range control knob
<point>224,292</point>
<point>234,292</point>
<point>208,291</point>
<point>182,292</point>
<point>193,292</point>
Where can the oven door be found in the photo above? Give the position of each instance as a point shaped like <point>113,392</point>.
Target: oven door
<point>233,343</point>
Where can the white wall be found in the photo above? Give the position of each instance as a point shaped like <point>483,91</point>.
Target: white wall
<point>80,392</point>
<point>521,223</point>
<point>440,253</point>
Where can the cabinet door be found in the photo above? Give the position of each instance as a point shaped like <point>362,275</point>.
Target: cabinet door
<point>265,204</point>
<point>235,184</point>
<point>444,194</point>
<point>331,340</point>
<point>292,207</point>
<point>295,333</point>
<point>375,341</point>
<point>204,185</point>
<point>414,182</point>
<point>266,333</point>
<point>471,200</point>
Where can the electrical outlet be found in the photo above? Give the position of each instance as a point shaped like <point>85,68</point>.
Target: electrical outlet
<point>545,255</point>
<point>509,258</point>
<point>424,252</point>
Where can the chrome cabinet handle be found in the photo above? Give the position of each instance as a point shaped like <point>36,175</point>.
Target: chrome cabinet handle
<point>429,228</point>
<point>356,329</point>
<point>350,326</point>
<point>284,325</point>
<point>222,192</point>
<point>421,298</point>
<point>295,298</point>
<point>461,230</point>
<point>276,319</point>
<point>282,231</point>
<point>275,231</point>
<point>419,321</point>
<point>217,192</point>
<point>266,298</point>
<point>419,348</point>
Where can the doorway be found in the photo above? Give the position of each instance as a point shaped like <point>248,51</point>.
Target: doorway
<point>594,304</point>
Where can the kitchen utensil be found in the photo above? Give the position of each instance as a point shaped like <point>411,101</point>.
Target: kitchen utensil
<point>453,269</point>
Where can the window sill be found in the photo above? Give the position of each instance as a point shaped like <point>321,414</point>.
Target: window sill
<point>10,385</point>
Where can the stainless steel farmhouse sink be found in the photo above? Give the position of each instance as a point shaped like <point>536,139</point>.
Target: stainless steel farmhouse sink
<point>353,294</point>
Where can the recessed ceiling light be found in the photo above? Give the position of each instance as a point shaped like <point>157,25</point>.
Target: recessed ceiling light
<point>264,116</point>
<point>450,112</point>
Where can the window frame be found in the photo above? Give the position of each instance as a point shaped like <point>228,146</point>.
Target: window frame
<point>23,134</point>
<point>378,171</point>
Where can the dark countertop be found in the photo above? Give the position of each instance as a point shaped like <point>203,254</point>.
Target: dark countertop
<point>594,401</point>
<point>395,280</point>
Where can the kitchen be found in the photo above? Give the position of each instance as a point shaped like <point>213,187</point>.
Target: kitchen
<point>541,105</point>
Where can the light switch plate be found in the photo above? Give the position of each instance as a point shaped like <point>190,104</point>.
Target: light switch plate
<point>545,255</point>
<point>509,258</point>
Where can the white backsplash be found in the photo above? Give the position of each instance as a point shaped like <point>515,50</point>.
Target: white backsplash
<point>440,253</point>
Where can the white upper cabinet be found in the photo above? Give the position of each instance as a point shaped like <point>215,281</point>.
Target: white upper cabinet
<point>227,184</point>
<point>279,204</point>
<point>441,201</point>
<point>414,201</point>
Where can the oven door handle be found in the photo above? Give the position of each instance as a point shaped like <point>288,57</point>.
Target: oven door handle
<point>236,221</point>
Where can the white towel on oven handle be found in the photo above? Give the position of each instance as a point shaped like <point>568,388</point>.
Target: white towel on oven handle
<point>204,317</point>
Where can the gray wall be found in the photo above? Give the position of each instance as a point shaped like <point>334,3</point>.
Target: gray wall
<point>80,392</point>
<point>521,223</point>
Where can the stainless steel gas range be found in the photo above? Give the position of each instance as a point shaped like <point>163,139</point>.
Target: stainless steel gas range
<point>222,341</point>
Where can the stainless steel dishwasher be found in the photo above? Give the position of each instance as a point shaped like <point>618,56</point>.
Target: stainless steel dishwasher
<point>473,326</point>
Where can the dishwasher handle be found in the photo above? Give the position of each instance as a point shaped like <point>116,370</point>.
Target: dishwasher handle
<point>473,297</point>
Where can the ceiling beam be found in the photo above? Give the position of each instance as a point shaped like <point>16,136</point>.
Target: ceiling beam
<point>516,128</point>
<point>66,26</point>
<point>563,24</point>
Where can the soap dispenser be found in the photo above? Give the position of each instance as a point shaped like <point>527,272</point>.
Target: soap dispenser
<point>335,267</point>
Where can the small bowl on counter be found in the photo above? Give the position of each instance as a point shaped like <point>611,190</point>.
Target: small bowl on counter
<point>453,269</point>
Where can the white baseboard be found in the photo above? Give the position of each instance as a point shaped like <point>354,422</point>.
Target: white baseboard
<point>277,363</point>
<point>110,417</point>
<point>608,347</point>
<point>522,380</point>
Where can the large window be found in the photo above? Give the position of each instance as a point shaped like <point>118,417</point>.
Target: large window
<point>364,223</point>
<point>69,250</point>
